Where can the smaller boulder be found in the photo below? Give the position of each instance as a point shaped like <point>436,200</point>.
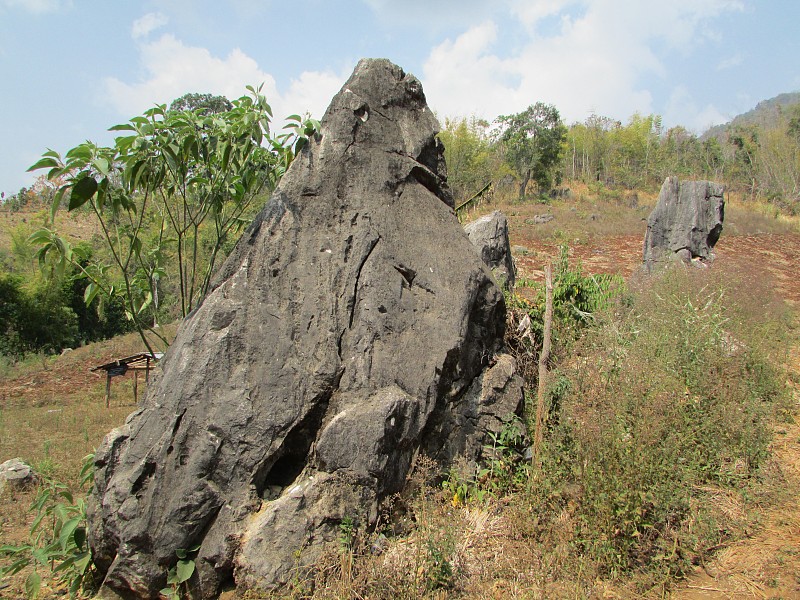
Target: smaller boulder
<point>489,235</point>
<point>16,474</point>
<point>685,224</point>
<point>540,219</point>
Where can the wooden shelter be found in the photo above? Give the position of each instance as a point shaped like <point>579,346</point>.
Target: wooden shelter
<point>138,362</point>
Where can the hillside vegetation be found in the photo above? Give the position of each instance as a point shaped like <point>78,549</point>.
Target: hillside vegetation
<point>128,237</point>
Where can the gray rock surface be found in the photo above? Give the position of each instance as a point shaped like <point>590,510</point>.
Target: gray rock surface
<point>686,222</point>
<point>16,474</point>
<point>489,234</point>
<point>352,327</point>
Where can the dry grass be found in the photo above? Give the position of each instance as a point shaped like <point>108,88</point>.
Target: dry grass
<point>52,409</point>
<point>75,225</point>
<point>53,414</point>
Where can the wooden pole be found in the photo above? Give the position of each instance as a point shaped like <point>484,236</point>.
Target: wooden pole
<point>544,357</point>
<point>108,388</point>
<point>136,387</point>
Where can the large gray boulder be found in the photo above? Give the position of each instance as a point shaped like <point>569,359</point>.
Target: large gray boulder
<point>352,328</point>
<point>489,234</point>
<point>686,222</point>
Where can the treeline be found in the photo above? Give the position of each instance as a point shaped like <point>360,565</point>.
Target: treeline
<point>48,313</point>
<point>170,197</point>
<point>754,160</point>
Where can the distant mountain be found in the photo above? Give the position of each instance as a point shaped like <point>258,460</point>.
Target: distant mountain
<point>765,114</point>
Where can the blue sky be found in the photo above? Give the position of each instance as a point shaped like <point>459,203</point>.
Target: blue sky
<point>72,68</point>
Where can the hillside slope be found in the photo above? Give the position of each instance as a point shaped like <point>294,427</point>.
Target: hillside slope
<point>765,114</point>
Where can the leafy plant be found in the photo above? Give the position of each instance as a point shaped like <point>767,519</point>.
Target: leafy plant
<point>533,141</point>
<point>347,533</point>
<point>660,402</point>
<point>57,539</point>
<point>576,299</point>
<point>179,575</point>
<point>195,174</point>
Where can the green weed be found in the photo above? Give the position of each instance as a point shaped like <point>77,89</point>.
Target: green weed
<point>57,541</point>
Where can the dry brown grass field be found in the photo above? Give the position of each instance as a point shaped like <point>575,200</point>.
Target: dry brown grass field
<point>52,414</point>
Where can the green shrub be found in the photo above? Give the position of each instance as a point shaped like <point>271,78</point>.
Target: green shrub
<point>57,543</point>
<point>670,397</point>
<point>576,299</point>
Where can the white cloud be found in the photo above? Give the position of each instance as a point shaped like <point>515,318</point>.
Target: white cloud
<point>173,69</point>
<point>595,60</point>
<point>531,12</point>
<point>310,93</point>
<point>148,23</point>
<point>682,108</point>
<point>431,15</point>
<point>37,7</point>
<point>730,62</point>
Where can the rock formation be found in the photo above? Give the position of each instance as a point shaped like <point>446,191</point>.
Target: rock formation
<point>686,222</point>
<point>352,327</point>
<point>16,474</point>
<point>489,234</point>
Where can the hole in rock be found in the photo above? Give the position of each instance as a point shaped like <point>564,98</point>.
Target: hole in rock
<point>293,454</point>
<point>147,472</point>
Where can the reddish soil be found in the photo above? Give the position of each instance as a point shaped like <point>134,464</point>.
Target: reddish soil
<point>766,564</point>
<point>770,256</point>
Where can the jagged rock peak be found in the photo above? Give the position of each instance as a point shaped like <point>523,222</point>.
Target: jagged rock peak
<point>352,328</point>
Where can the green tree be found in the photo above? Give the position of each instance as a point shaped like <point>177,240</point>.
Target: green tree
<point>590,149</point>
<point>205,103</point>
<point>793,124</point>
<point>712,158</point>
<point>533,140</point>
<point>742,168</point>
<point>470,157</point>
<point>635,151</point>
<point>178,183</point>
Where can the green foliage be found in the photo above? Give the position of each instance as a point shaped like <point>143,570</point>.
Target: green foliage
<point>438,568</point>
<point>636,146</point>
<point>503,469</point>
<point>11,311</point>
<point>755,158</point>
<point>589,149</point>
<point>35,317</point>
<point>49,313</point>
<point>472,160</point>
<point>663,401</point>
<point>191,176</point>
<point>347,533</point>
<point>57,539</point>
<point>576,298</point>
<point>533,140</point>
<point>206,104</point>
<point>179,575</point>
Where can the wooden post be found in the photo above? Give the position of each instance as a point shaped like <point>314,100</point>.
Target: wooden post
<point>544,357</point>
<point>136,387</point>
<point>147,370</point>
<point>108,387</point>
